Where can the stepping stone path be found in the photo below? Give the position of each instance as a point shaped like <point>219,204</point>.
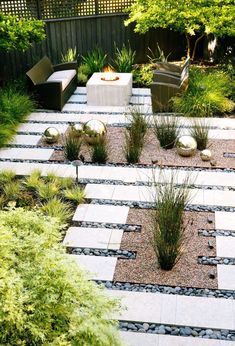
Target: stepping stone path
<point>149,318</point>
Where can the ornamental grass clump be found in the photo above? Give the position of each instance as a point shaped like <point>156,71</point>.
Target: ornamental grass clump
<point>72,147</point>
<point>168,223</point>
<point>167,130</point>
<point>45,297</point>
<point>99,150</point>
<point>208,94</point>
<point>95,60</point>
<point>199,132</point>
<point>124,59</point>
<point>134,136</point>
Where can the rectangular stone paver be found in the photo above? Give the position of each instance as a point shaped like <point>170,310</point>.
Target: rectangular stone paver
<point>26,154</point>
<point>41,127</point>
<point>147,194</point>
<point>96,238</point>
<point>26,140</point>
<point>226,277</point>
<point>199,312</point>
<point>225,220</point>
<point>145,339</point>
<point>101,213</point>
<point>100,268</point>
<point>225,246</point>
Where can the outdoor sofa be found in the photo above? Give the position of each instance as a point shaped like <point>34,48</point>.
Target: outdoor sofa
<point>52,85</point>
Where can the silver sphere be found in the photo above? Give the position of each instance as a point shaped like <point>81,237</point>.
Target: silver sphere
<point>206,155</point>
<point>94,129</point>
<point>51,135</point>
<point>186,146</point>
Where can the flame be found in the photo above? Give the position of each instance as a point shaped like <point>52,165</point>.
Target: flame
<point>108,69</point>
<point>109,74</point>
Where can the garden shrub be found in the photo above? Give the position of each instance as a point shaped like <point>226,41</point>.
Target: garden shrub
<point>124,59</point>
<point>200,132</point>
<point>45,298</point>
<point>143,75</point>
<point>99,150</point>
<point>168,225</point>
<point>207,95</point>
<point>15,105</point>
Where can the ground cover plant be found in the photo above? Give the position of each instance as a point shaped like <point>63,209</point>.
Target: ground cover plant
<point>207,95</point>
<point>15,105</point>
<point>45,298</point>
<point>168,223</point>
<point>53,196</point>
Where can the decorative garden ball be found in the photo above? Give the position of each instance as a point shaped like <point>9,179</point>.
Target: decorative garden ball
<point>94,129</point>
<point>186,146</point>
<point>206,155</point>
<point>51,135</point>
<point>77,129</point>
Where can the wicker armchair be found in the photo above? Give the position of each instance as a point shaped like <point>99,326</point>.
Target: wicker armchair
<point>52,85</point>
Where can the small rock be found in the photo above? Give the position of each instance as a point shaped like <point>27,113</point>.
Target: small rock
<point>210,244</point>
<point>210,219</point>
<point>226,261</point>
<point>146,326</point>
<point>161,330</point>
<point>213,163</point>
<point>209,331</point>
<point>188,331</point>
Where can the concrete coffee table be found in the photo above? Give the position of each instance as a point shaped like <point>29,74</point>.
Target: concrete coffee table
<point>109,93</point>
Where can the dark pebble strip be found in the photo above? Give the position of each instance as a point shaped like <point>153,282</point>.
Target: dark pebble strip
<point>154,328</point>
<point>216,260</point>
<point>154,288</point>
<point>124,254</point>
<point>215,233</point>
<point>124,227</point>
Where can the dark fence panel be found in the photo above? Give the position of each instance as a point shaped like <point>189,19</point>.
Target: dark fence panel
<point>86,33</point>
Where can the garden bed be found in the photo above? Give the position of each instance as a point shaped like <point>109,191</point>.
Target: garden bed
<point>153,153</point>
<point>186,273</point>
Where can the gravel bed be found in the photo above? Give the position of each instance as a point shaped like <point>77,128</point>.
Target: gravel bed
<point>216,260</point>
<point>185,291</point>
<point>153,328</point>
<point>215,233</point>
<point>124,254</point>
<point>186,273</point>
<point>124,227</point>
<point>150,205</point>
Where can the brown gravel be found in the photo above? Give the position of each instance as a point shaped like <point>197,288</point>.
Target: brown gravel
<point>144,269</point>
<point>153,151</point>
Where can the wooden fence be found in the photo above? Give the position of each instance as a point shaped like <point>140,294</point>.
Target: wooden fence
<point>85,33</point>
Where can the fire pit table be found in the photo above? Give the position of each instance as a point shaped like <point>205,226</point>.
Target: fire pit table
<point>109,89</point>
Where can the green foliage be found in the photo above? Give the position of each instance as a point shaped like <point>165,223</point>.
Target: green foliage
<point>19,34</point>
<point>84,72</point>
<point>99,150</point>
<point>67,183</point>
<point>157,55</point>
<point>95,60</point>
<point>168,227</point>
<point>199,132</point>
<point>198,17</point>
<point>72,147</point>
<point>56,208</point>
<point>11,190</point>
<point>6,177</point>
<point>69,56</point>
<point>124,59</point>
<point>207,95</point>
<point>47,191</point>
<point>143,75</point>
<point>166,130</point>
<point>33,181</point>
<point>75,194</point>
<point>134,136</point>
<point>45,298</point>
<point>14,107</point>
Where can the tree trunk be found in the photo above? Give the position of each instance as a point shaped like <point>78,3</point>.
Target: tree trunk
<point>195,45</point>
<point>188,45</point>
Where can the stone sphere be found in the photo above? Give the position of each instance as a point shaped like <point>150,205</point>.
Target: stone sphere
<point>206,155</point>
<point>94,129</point>
<point>186,146</point>
<point>51,135</point>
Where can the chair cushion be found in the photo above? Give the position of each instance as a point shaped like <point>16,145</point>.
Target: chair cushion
<point>62,76</point>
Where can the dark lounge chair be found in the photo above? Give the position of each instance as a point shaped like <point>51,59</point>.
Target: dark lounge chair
<point>52,85</point>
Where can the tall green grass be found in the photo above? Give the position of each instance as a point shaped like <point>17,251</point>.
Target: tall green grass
<point>15,105</point>
<point>208,94</point>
